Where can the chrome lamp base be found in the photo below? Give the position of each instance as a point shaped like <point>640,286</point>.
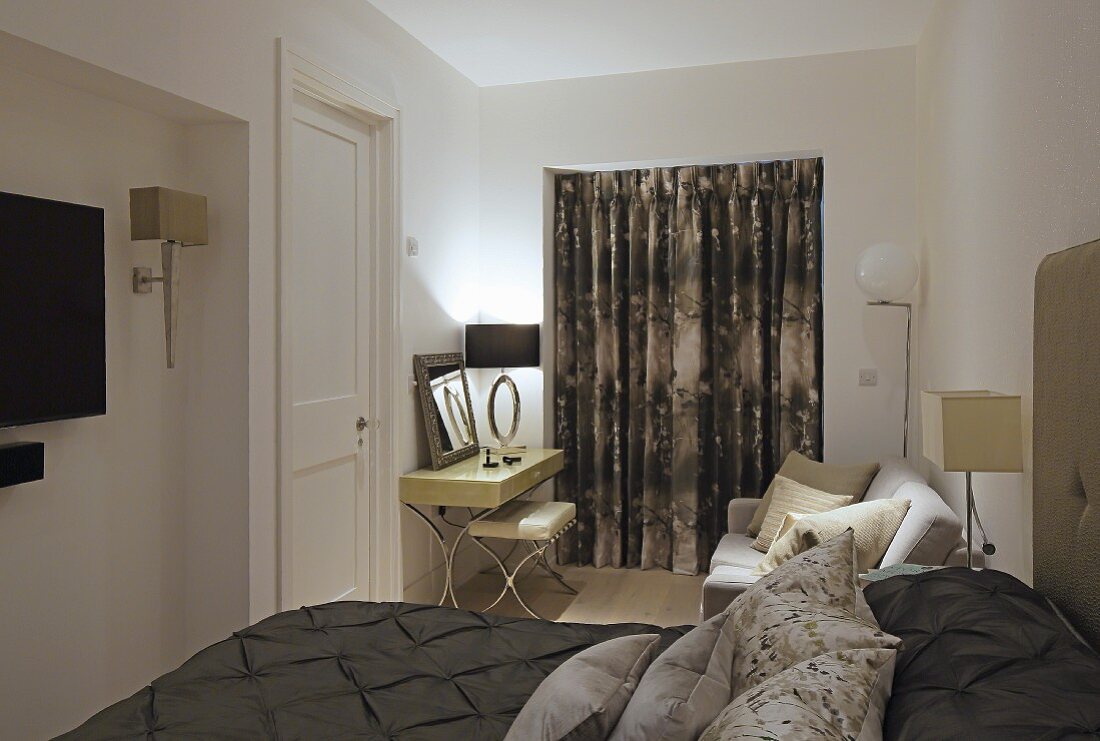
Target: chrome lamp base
<point>503,441</point>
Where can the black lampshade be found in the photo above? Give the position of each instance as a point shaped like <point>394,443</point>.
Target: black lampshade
<point>502,345</point>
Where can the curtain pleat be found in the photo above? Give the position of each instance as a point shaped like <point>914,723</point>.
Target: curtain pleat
<point>688,344</point>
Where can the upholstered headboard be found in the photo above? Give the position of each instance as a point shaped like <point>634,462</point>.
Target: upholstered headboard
<point>1066,498</point>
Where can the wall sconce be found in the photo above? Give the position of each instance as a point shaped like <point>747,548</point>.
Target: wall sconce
<point>176,218</point>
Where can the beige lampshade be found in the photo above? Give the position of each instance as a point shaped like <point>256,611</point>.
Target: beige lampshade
<point>972,430</point>
<point>167,215</point>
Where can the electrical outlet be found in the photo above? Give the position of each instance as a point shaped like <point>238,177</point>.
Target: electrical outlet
<point>412,247</point>
<point>412,383</point>
<point>868,376</point>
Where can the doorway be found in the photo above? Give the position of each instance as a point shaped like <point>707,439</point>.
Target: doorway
<point>338,538</point>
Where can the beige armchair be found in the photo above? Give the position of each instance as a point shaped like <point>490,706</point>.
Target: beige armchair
<point>931,534</point>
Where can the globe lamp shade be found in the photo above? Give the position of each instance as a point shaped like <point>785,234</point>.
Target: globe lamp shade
<point>886,272</point>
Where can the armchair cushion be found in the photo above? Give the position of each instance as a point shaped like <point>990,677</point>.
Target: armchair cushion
<point>929,532</point>
<point>735,549</point>
<point>892,473</point>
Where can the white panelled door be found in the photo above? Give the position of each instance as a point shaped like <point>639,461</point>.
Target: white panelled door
<point>330,333</point>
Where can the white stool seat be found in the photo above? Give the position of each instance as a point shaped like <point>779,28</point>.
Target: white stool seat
<point>525,520</point>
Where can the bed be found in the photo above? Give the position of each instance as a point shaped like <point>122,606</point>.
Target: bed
<point>358,670</point>
<point>984,656</point>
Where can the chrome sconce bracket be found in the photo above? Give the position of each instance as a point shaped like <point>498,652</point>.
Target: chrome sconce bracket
<point>143,280</point>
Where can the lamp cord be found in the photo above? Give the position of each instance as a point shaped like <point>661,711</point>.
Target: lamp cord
<point>988,548</point>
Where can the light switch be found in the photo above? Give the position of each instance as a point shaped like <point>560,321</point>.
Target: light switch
<point>868,376</point>
<point>412,247</point>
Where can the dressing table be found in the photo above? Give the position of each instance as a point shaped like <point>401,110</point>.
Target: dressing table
<point>481,490</point>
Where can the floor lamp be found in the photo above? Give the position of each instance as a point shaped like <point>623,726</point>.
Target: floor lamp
<point>886,273</point>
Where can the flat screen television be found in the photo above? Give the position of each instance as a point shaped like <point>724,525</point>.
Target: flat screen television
<point>53,353</point>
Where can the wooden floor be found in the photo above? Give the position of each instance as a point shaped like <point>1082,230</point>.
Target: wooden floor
<point>605,595</point>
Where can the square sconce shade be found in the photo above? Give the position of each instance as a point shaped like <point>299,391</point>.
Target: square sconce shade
<point>167,215</point>
<point>972,431</point>
<point>502,345</point>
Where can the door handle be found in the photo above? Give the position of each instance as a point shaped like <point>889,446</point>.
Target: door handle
<point>360,424</point>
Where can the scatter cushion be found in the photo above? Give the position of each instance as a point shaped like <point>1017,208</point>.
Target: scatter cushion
<point>685,687</point>
<point>791,496</point>
<point>874,525</point>
<point>840,695</point>
<point>777,631</point>
<point>583,698</point>
<point>525,520</point>
<point>826,574</point>
<point>789,520</point>
<point>850,481</point>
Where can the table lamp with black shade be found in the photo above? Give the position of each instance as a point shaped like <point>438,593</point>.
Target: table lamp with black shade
<point>502,346</point>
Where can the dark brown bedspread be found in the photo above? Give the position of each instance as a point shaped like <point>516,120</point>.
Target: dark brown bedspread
<point>984,657</point>
<point>357,670</point>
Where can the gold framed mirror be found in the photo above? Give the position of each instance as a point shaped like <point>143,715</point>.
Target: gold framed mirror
<point>447,407</point>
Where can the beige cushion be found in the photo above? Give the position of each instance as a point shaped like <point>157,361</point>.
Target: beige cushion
<point>874,525</point>
<point>524,520</point>
<point>789,520</point>
<point>583,698</point>
<point>685,687</point>
<point>850,481</point>
<point>791,496</point>
<point>838,695</point>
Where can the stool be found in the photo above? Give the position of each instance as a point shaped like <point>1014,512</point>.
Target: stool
<point>537,525</point>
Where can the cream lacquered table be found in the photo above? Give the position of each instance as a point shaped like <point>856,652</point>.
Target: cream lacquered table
<point>481,490</point>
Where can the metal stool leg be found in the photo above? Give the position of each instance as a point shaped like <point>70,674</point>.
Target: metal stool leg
<point>500,565</point>
<point>545,566</point>
<point>512,581</point>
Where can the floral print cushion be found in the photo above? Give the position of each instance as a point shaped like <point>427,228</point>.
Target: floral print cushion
<point>777,631</point>
<point>837,695</point>
<point>826,574</point>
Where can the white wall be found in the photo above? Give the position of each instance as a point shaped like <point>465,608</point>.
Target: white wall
<point>856,109</point>
<point>222,55</point>
<point>1009,132</point>
<point>132,552</point>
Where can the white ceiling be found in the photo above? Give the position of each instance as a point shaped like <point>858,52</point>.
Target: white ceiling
<point>497,42</point>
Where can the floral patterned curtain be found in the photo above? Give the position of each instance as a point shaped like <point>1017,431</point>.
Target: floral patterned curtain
<point>689,350</point>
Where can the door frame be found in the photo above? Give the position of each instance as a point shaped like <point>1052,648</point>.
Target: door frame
<point>297,73</point>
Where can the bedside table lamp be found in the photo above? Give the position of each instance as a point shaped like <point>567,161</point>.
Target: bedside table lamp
<point>502,346</point>
<point>972,431</point>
